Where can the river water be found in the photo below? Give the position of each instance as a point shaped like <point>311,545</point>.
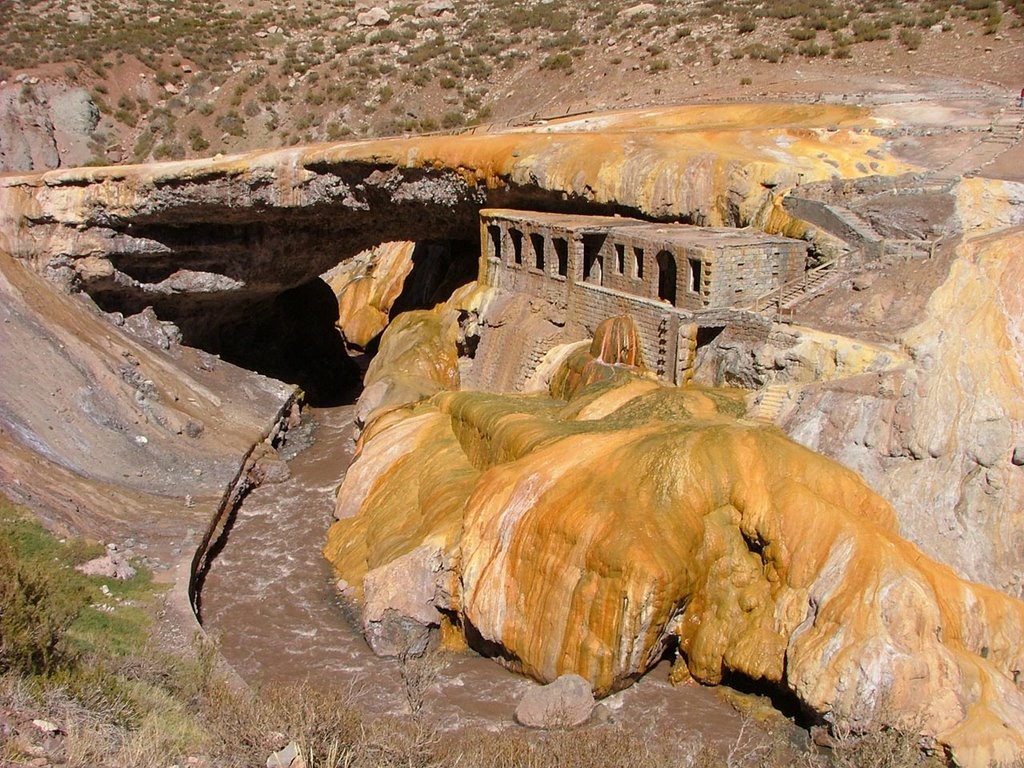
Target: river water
<point>269,597</point>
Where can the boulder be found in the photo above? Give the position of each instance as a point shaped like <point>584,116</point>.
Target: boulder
<point>374,17</point>
<point>434,8</point>
<point>565,703</point>
<point>402,600</point>
<point>753,554</point>
<point>112,565</point>
<point>637,10</point>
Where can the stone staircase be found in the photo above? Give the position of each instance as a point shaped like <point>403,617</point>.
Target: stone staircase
<point>809,284</point>
<point>767,404</point>
<point>815,282</point>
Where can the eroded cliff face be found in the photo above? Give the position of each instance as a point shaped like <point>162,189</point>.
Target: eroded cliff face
<point>941,438</point>
<point>110,429</point>
<point>594,531</point>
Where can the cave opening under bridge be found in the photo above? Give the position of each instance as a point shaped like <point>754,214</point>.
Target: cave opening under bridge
<point>243,280</point>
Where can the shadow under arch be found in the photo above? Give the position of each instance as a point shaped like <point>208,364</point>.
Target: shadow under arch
<point>666,277</point>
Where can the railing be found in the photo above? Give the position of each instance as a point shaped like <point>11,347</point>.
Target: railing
<point>777,295</point>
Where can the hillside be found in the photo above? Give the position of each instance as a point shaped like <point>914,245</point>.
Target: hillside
<point>116,81</point>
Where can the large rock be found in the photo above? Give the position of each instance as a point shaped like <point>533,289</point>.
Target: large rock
<point>373,17</point>
<point>45,125</point>
<point>402,599</point>
<point>938,437</point>
<point>434,8</point>
<point>564,703</point>
<point>112,565</point>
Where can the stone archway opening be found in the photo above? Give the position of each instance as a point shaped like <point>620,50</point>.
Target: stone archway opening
<point>666,277</point>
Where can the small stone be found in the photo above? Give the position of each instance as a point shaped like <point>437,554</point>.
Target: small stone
<point>46,726</point>
<point>289,757</point>
<point>1018,456</point>
<point>863,282</point>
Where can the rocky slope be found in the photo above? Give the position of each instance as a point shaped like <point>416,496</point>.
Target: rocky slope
<point>590,534</point>
<point>111,429</point>
<point>176,80</point>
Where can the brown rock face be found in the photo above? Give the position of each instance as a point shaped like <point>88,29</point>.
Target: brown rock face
<point>937,437</point>
<point>587,536</point>
<point>105,433</point>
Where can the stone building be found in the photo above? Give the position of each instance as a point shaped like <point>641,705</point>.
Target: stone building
<point>667,276</point>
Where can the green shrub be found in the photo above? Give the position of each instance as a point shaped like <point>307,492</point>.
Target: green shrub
<point>813,50</point>
<point>143,146</point>
<point>866,31</point>
<point>763,52</point>
<point>168,150</point>
<point>37,608</point>
<point>231,123</point>
<point>452,119</point>
<point>196,139</point>
<point>270,94</point>
<point>559,62</point>
<point>910,38</point>
<point>128,118</point>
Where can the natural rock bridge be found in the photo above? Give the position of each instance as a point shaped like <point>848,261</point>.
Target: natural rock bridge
<point>114,434</point>
<point>262,223</point>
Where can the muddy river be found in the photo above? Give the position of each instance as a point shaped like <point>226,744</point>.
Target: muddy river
<point>269,597</point>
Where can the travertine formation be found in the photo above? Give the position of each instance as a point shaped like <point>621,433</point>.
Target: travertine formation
<point>942,435</point>
<point>589,534</point>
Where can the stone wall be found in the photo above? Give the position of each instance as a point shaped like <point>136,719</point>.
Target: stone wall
<point>838,221</point>
<point>666,277</point>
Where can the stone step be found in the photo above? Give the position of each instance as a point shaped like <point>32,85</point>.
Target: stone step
<point>768,403</point>
<point>856,222</point>
<point>817,284</point>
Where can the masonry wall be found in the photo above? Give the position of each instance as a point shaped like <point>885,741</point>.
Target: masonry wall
<point>593,276</point>
<point>585,303</point>
<point>740,274</point>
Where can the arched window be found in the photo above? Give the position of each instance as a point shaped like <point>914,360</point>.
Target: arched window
<point>666,277</point>
<point>537,241</point>
<point>562,252</point>
<point>494,233</point>
<point>593,259</point>
<point>517,245</point>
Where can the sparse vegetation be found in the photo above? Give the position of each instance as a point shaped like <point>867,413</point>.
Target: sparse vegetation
<point>557,62</point>
<point>226,62</point>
